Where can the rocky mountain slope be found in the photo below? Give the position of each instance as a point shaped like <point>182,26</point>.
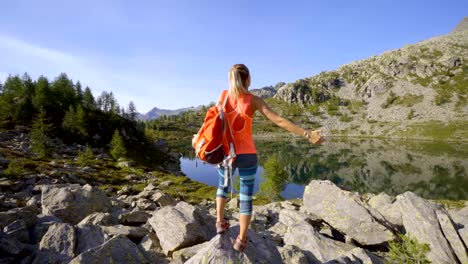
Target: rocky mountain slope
<point>156,112</point>
<point>417,91</point>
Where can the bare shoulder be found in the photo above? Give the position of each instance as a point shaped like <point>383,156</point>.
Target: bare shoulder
<point>256,102</point>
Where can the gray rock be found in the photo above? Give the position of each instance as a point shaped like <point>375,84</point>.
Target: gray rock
<point>357,256</point>
<point>162,199</point>
<point>72,204</point>
<point>27,214</point>
<point>421,222</point>
<point>233,203</point>
<point>104,219</point>
<point>184,254</point>
<point>151,248</point>
<point>277,232</point>
<point>144,204</point>
<point>166,183</point>
<point>385,205</point>
<point>9,245</point>
<point>291,217</point>
<point>134,218</point>
<point>292,254</point>
<point>89,236</point>
<point>124,190</point>
<point>460,216</point>
<point>118,250</point>
<point>59,242</point>
<point>219,250</point>
<point>181,226</point>
<point>150,187</point>
<point>451,235</point>
<point>316,247</point>
<point>43,224</point>
<point>18,230</point>
<point>125,163</point>
<point>463,232</point>
<point>128,231</point>
<point>345,212</point>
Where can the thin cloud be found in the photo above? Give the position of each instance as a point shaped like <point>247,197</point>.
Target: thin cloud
<point>20,56</point>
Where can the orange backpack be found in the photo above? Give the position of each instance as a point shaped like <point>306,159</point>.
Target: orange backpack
<point>212,143</point>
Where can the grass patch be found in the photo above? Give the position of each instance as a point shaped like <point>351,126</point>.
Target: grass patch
<point>346,118</point>
<point>408,250</point>
<point>409,100</point>
<point>186,189</point>
<point>449,204</point>
<point>455,130</point>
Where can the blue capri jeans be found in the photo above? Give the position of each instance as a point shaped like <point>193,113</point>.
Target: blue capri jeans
<point>247,165</point>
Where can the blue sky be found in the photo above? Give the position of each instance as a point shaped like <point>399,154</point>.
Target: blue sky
<point>177,53</point>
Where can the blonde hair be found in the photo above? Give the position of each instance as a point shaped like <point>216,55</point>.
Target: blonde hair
<point>239,80</point>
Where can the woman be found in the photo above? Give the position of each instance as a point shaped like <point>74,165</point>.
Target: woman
<point>239,109</point>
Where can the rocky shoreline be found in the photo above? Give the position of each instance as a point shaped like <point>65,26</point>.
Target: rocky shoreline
<point>63,213</point>
<point>72,223</point>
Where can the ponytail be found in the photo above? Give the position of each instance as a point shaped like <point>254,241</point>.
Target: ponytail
<point>239,80</point>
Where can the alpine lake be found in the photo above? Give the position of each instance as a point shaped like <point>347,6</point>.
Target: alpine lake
<point>432,169</point>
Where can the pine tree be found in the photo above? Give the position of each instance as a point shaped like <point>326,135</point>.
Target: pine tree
<point>42,95</point>
<point>88,99</point>
<point>40,141</point>
<point>132,112</point>
<point>79,92</point>
<point>74,122</point>
<point>117,149</point>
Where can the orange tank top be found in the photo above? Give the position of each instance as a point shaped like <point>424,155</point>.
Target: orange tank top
<point>240,117</point>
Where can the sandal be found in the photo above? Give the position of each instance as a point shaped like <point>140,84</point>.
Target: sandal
<point>239,245</point>
<point>222,226</point>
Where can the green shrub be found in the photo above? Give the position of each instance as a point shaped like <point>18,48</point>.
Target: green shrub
<point>346,118</point>
<point>14,169</point>
<point>117,149</point>
<point>85,157</point>
<point>390,99</point>
<point>442,97</point>
<point>409,100</point>
<point>408,251</point>
<point>410,114</point>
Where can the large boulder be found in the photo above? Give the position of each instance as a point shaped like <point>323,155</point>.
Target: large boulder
<point>316,246</point>
<point>27,214</point>
<point>42,226</point>
<point>89,236</point>
<point>421,220</point>
<point>151,248</point>
<point>129,231</point>
<point>58,244</point>
<point>134,218</point>
<point>99,218</point>
<point>386,206</point>
<point>73,203</point>
<point>293,254</point>
<point>118,250</point>
<point>345,212</point>
<point>219,250</point>
<point>451,235</point>
<point>18,230</point>
<point>181,226</point>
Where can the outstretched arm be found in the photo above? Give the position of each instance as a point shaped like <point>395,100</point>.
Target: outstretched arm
<point>260,105</point>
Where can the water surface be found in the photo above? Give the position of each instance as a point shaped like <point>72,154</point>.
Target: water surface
<point>433,170</point>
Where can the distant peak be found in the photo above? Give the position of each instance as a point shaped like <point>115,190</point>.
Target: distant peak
<point>462,26</point>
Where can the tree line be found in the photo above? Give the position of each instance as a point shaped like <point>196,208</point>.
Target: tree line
<point>62,108</point>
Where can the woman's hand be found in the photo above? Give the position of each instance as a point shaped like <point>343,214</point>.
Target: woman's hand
<point>315,136</point>
<point>194,140</point>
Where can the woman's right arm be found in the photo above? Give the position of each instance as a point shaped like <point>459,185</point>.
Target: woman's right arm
<point>260,105</point>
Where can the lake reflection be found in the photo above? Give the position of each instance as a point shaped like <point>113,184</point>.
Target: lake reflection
<point>433,170</point>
